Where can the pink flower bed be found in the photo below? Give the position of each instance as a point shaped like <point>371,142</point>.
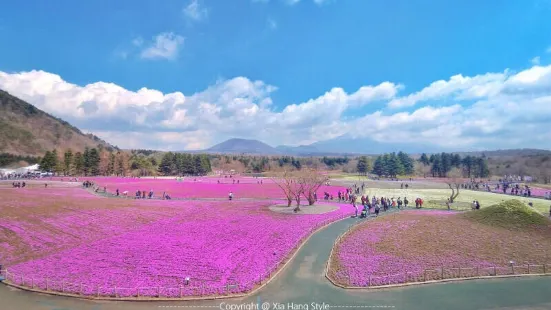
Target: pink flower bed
<point>359,261</point>
<point>93,245</point>
<point>205,187</point>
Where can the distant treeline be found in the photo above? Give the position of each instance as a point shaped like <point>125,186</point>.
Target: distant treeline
<point>259,164</point>
<point>442,164</point>
<point>106,161</point>
<point>91,162</point>
<point>8,159</point>
<point>393,165</point>
<point>184,164</point>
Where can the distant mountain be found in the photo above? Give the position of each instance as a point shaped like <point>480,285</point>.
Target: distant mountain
<point>510,153</point>
<point>243,146</point>
<point>302,149</point>
<point>27,130</point>
<point>351,146</point>
<point>366,146</point>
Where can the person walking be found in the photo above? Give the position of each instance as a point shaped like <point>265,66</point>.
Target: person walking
<point>353,199</point>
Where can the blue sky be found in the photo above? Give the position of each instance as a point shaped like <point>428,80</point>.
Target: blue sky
<point>301,49</point>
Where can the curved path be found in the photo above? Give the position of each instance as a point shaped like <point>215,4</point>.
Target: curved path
<point>303,282</point>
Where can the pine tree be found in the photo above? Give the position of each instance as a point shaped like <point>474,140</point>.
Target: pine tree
<point>67,162</point>
<point>379,166</point>
<point>362,165</point>
<point>436,168</point>
<point>86,161</point>
<point>198,168</point>
<point>424,159</point>
<point>468,165</point>
<point>46,162</point>
<point>121,165</point>
<point>93,161</point>
<point>407,163</point>
<point>456,160</point>
<point>205,163</point>
<point>78,163</point>
<point>394,166</point>
<point>188,164</point>
<point>111,166</point>
<point>55,161</point>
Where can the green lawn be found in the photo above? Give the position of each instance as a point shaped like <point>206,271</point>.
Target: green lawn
<point>432,196</point>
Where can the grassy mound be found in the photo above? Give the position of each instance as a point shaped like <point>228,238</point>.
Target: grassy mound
<point>509,214</point>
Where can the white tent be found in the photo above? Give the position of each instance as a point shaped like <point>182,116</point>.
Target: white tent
<point>6,171</point>
<point>24,170</point>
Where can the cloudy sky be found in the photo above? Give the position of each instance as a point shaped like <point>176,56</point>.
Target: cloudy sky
<point>183,75</point>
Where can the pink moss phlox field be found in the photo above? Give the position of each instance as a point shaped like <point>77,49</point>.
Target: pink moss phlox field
<point>85,243</point>
<point>361,264</point>
<point>202,187</point>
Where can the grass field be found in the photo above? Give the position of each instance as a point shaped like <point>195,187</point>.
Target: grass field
<point>435,198</point>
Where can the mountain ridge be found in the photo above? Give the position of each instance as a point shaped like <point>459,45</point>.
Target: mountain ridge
<point>327,148</point>
<point>27,130</point>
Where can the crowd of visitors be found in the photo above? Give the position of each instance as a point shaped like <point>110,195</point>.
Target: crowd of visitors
<point>18,184</point>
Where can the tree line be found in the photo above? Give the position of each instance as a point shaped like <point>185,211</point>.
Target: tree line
<point>7,159</point>
<point>393,165</point>
<point>91,162</point>
<point>95,161</point>
<point>185,164</point>
<point>469,166</point>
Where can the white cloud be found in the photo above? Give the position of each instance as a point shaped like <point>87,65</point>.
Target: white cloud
<point>491,110</point>
<point>272,24</point>
<point>195,11</point>
<point>457,86</point>
<point>137,41</point>
<point>165,45</point>
<point>292,2</point>
<point>535,60</point>
<point>121,54</point>
<point>548,50</point>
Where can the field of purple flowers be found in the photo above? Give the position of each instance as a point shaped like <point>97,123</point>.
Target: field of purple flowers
<point>66,239</point>
<point>201,187</point>
<point>401,246</point>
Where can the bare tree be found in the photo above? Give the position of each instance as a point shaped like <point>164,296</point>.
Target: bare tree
<point>297,190</point>
<point>454,182</point>
<point>285,182</point>
<point>296,184</point>
<point>312,180</point>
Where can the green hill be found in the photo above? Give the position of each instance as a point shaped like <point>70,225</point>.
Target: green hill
<point>510,214</point>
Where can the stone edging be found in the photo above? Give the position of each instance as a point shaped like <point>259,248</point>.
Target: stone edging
<point>432,281</point>
<point>189,298</point>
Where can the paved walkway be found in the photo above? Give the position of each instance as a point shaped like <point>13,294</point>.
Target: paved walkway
<point>302,282</point>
